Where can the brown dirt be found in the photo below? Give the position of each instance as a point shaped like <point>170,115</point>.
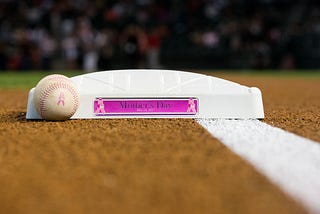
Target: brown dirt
<point>142,165</point>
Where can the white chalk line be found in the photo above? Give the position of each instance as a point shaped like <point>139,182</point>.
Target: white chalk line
<point>290,161</point>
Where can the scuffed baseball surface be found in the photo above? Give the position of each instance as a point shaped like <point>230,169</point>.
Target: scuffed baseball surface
<point>56,97</point>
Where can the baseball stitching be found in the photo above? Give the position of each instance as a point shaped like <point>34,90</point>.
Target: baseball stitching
<point>54,86</point>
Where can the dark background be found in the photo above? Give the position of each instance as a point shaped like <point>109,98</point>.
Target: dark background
<point>214,34</point>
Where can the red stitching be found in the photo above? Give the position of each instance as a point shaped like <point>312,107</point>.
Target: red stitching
<point>56,85</point>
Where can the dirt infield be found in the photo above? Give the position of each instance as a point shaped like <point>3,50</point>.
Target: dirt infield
<point>143,165</point>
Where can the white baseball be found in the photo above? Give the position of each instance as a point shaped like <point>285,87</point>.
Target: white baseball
<point>56,97</point>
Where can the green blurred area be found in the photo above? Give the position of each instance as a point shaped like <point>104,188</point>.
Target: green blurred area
<point>27,80</point>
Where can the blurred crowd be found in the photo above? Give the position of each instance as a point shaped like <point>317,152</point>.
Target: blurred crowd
<point>98,35</point>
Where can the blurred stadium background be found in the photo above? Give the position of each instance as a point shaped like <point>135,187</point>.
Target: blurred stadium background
<point>191,34</point>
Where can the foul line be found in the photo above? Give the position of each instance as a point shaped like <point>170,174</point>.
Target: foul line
<point>290,161</point>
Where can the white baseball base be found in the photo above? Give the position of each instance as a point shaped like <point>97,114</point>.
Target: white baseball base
<point>149,93</point>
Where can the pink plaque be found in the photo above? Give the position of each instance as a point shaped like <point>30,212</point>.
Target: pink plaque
<point>145,106</point>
